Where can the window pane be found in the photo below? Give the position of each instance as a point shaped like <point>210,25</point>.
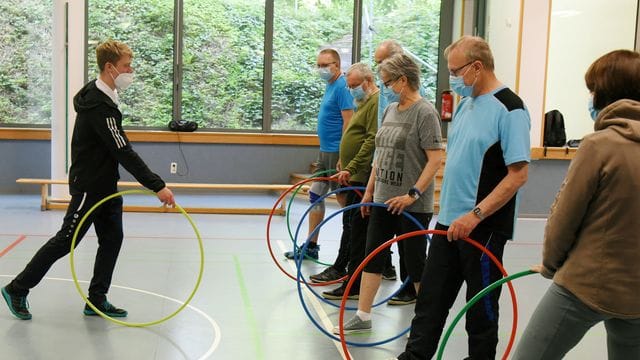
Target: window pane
<point>413,23</point>
<point>25,62</point>
<point>223,63</point>
<point>147,27</point>
<point>301,29</point>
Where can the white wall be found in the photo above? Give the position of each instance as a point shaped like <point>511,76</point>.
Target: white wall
<point>559,40</point>
<point>582,31</point>
<point>503,27</point>
<point>517,33</point>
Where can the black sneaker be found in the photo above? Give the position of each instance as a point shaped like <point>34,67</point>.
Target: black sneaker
<point>389,273</point>
<point>18,305</point>
<point>402,298</point>
<point>107,309</point>
<point>336,294</point>
<point>329,274</point>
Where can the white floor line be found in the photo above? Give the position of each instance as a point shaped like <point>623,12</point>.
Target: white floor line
<point>324,318</point>
<point>214,325</point>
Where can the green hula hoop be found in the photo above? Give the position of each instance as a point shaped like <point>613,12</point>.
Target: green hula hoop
<point>293,196</point>
<point>474,300</point>
<point>75,277</point>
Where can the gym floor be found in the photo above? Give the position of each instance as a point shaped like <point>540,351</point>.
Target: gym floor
<point>245,308</point>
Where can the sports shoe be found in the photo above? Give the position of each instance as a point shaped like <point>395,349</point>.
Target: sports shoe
<point>329,274</point>
<point>18,305</point>
<point>336,294</point>
<point>402,298</point>
<point>311,253</point>
<point>354,325</point>
<point>389,273</point>
<point>107,309</point>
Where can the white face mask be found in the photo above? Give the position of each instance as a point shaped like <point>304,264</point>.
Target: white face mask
<point>123,80</point>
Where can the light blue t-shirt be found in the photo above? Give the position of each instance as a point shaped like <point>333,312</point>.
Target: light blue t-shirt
<point>335,100</point>
<point>488,133</point>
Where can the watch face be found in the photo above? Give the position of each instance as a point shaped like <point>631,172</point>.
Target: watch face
<point>414,194</point>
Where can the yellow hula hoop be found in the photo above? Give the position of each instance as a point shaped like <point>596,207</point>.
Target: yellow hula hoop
<point>75,277</point>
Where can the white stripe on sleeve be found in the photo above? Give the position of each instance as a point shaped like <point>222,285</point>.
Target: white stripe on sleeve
<point>117,137</point>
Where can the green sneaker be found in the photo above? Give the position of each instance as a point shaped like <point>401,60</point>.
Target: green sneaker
<point>18,305</point>
<point>107,309</point>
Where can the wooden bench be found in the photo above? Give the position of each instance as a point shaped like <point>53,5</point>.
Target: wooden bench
<point>47,203</point>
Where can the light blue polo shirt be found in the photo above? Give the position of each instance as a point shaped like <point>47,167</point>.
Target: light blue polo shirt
<point>488,133</point>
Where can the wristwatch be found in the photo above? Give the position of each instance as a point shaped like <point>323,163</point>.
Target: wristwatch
<point>477,212</point>
<point>414,193</point>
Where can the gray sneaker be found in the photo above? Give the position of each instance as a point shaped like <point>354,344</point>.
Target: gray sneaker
<point>353,326</point>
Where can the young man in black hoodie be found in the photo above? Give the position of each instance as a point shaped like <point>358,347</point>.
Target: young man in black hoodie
<point>98,145</point>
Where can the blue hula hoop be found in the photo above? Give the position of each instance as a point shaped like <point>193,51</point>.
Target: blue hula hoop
<point>300,277</point>
<point>303,249</point>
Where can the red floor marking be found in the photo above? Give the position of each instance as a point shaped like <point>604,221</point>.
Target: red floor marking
<point>12,245</point>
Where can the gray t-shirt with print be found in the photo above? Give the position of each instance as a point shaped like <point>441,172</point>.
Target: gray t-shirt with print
<point>400,155</point>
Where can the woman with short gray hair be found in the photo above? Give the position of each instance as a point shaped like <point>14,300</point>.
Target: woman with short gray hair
<point>408,154</point>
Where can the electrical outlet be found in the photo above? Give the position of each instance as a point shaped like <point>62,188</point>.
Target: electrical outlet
<point>174,168</point>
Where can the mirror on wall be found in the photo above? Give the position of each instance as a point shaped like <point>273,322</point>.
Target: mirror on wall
<point>580,32</point>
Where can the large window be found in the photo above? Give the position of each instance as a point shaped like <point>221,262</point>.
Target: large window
<point>413,23</point>
<point>239,64</point>
<point>301,29</point>
<point>25,62</point>
<point>146,26</point>
<point>223,63</point>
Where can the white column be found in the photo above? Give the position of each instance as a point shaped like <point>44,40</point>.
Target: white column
<point>533,62</point>
<point>68,69</point>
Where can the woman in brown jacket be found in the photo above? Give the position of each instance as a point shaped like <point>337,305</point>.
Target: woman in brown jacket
<point>592,238</point>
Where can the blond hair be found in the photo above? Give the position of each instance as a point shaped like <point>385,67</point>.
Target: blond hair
<point>111,51</point>
<point>334,54</point>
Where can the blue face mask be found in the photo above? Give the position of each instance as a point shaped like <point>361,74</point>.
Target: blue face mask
<point>358,93</point>
<point>458,86</point>
<point>325,73</point>
<point>390,94</point>
<point>592,111</point>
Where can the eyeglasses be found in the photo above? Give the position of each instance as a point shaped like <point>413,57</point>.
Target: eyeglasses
<point>390,82</point>
<point>454,72</point>
<point>325,65</point>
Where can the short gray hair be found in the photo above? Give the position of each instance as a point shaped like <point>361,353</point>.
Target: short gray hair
<point>363,70</point>
<point>402,65</point>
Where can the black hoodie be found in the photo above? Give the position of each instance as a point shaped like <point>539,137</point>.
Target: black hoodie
<point>99,144</point>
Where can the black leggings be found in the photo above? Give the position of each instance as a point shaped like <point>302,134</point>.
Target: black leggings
<point>383,226</point>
